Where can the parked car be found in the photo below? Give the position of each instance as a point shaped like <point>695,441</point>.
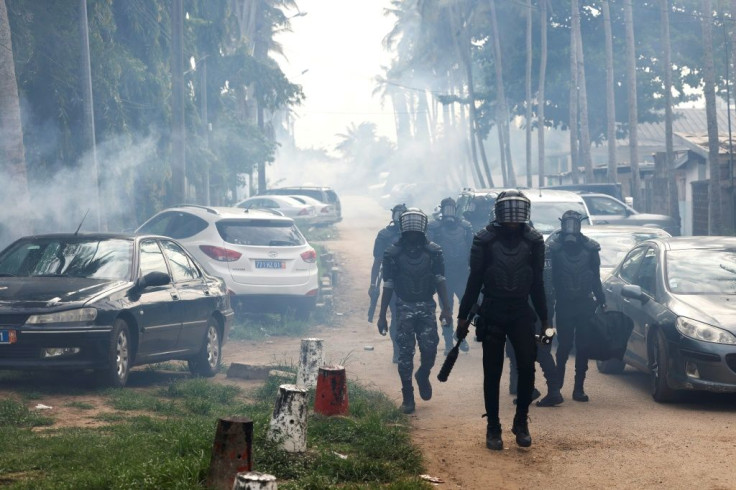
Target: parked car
<point>108,302</point>
<point>325,214</point>
<point>262,256</point>
<point>607,210</point>
<point>288,206</point>
<point>547,206</point>
<point>322,194</point>
<point>616,241</point>
<point>677,295</point>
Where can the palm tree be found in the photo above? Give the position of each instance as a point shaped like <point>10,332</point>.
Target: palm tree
<point>12,153</point>
<point>541,100</point>
<point>574,152</point>
<point>673,208</point>
<point>709,90</point>
<point>610,96</point>
<point>582,94</point>
<point>631,92</point>
<point>528,93</point>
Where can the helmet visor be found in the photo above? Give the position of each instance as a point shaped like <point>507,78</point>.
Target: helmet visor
<point>413,221</point>
<point>512,210</point>
<point>570,226</point>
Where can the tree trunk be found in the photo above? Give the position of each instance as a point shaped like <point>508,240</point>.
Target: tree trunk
<point>709,90</point>
<point>541,100</point>
<point>610,96</point>
<point>528,93</point>
<point>633,110</point>
<point>178,140</point>
<point>503,118</point>
<point>673,208</point>
<point>574,155</point>
<point>583,95</point>
<point>12,153</point>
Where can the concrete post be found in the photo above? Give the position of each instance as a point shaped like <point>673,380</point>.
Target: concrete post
<point>311,358</point>
<point>288,426</point>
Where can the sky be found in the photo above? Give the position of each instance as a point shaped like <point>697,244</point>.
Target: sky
<point>335,53</point>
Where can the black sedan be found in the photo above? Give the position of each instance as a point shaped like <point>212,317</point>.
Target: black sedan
<point>678,297</point>
<point>107,302</point>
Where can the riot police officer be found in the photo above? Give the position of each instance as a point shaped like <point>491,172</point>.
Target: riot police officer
<point>573,282</point>
<point>507,261</point>
<point>455,236</point>
<point>386,237</point>
<point>413,269</point>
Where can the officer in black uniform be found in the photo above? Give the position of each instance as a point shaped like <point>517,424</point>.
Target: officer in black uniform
<point>573,283</point>
<point>413,268</point>
<point>507,261</point>
<point>455,236</point>
<point>386,237</point>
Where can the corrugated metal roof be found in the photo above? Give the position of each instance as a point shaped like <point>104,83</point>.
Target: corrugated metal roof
<point>687,121</point>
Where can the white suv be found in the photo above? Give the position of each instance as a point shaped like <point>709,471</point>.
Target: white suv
<point>265,261</point>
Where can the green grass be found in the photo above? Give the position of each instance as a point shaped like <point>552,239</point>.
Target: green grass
<point>162,438</point>
<point>253,326</point>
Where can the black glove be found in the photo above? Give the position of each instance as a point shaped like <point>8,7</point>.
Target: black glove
<point>382,325</point>
<point>463,326</point>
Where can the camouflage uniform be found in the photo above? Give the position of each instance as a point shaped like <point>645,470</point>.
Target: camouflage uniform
<point>416,321</point>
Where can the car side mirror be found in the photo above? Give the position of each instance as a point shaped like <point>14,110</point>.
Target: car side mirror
<point>632,291</point>
<point>152,279</point>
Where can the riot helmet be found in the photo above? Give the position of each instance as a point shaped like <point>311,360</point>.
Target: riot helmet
<point>512,206</point>
<point>396,213</point>
<point>448,208</point>
<point>570,222</point>
<point>413,220</point>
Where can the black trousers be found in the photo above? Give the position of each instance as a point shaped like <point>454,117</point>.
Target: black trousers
<point>570,318</point>
<point>515,322</point>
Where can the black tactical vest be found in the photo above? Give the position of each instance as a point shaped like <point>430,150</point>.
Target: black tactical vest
<point>571,272</point>
<point>452,237</point>
<point>414,279</point>
<point>509,272</point>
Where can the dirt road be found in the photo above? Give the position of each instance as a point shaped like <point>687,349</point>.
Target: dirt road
<point>620,439</point>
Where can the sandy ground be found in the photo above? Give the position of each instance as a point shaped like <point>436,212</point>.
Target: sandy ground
<point>620,439</point>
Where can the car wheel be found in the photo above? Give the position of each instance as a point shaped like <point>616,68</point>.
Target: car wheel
<point>659,367</point>
<point>611,366</point>
<point>118,356</point>
<point>207,362</point>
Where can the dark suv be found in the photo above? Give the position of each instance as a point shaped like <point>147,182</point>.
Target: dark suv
<point>326,195</point>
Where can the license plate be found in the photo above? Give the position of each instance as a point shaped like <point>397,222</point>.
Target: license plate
<point>270,264</point>
<point>8,337</point>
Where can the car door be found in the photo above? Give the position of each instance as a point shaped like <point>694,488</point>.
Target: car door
<point>606,211</point>
<point>157,312</point>
<point>195,303</point>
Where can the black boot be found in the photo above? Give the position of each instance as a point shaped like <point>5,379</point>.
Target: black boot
<point>493,436</point>
<point>521,430</point>
<point>535,394</point>
<point>407,406</point>
<point>553,398</point>
<point>578,394</point>
<point>425,387</point>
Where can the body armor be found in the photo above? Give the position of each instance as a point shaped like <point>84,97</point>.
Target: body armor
<point>453,236</point>
<point>509,273</point>
<point>415,280</point>
<point>572,275</point>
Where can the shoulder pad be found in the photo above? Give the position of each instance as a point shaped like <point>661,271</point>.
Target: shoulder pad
<point>484,236</point>
<point>387,232</point>
<point>466,224</point>
<point>591,244</point>
<point>532,235</point>
<point>433,248</point>
<point>392,250</point>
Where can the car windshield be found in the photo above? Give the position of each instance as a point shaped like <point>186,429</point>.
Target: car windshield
<point>701,271</point>
<point>546,215</point>
<point>261,233</point>
<point>92,258</point>
<point>614,246</point>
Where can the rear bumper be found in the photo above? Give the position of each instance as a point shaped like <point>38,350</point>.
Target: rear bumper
<point>264,303</point>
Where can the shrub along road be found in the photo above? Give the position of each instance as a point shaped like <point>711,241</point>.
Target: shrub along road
<point>620,439</point>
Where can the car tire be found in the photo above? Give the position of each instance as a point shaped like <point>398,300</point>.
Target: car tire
<point>208,360</point>
<point>659,369</point>
<point>611,366</point>
<point>118,356</point>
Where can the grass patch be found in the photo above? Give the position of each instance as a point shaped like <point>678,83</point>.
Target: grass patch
<point>167,442</point>
<point>253,326</point>
<point>320,233</point>
<point>80,405</point>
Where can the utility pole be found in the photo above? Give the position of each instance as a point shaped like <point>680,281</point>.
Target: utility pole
<point>89,111</point>
<point>178,150</point>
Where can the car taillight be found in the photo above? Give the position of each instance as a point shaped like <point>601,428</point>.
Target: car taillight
<point>304,212</point>
<point>220,254</point>
<point>309,256</point>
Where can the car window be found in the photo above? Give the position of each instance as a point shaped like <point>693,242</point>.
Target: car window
<point>175,224</point>
<point>158,224</point>
<point>331,196</point>
<point>182,269</point>
<point>261,233</point>
<point>545,216</point>
<point>604,206</point>
<point>646,275</point>
<point>152,260</point>
<point>630,265</point>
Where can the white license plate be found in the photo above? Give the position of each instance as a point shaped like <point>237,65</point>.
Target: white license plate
<point>8,336</point>
<point>270,264</point>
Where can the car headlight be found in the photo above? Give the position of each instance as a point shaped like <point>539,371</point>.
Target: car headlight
<point>702,331</point>
<point>79,315</point>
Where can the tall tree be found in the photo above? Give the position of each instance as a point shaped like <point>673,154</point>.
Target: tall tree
<point>582,94</point>
<point>709,90</point>
<point>632,102</point>
<point>610,95</point>
<point>573,124</point>
<point>541,100</point>
<point>673,207</point>
<point>528,86</point>
<point>12,152</point>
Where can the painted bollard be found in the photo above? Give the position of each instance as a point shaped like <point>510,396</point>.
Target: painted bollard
<point>331,396</point>
<point>311,358</point>
<point>232,451</point>
<point>288,426</point>
<point>254,480</point>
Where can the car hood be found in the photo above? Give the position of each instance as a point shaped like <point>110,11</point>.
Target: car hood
<point>715,309</point>
<point>30,292</point>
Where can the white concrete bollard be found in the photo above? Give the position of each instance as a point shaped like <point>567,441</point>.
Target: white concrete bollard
<point>288,425</point>
<point>311,358</point>
<point>254,480</point>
